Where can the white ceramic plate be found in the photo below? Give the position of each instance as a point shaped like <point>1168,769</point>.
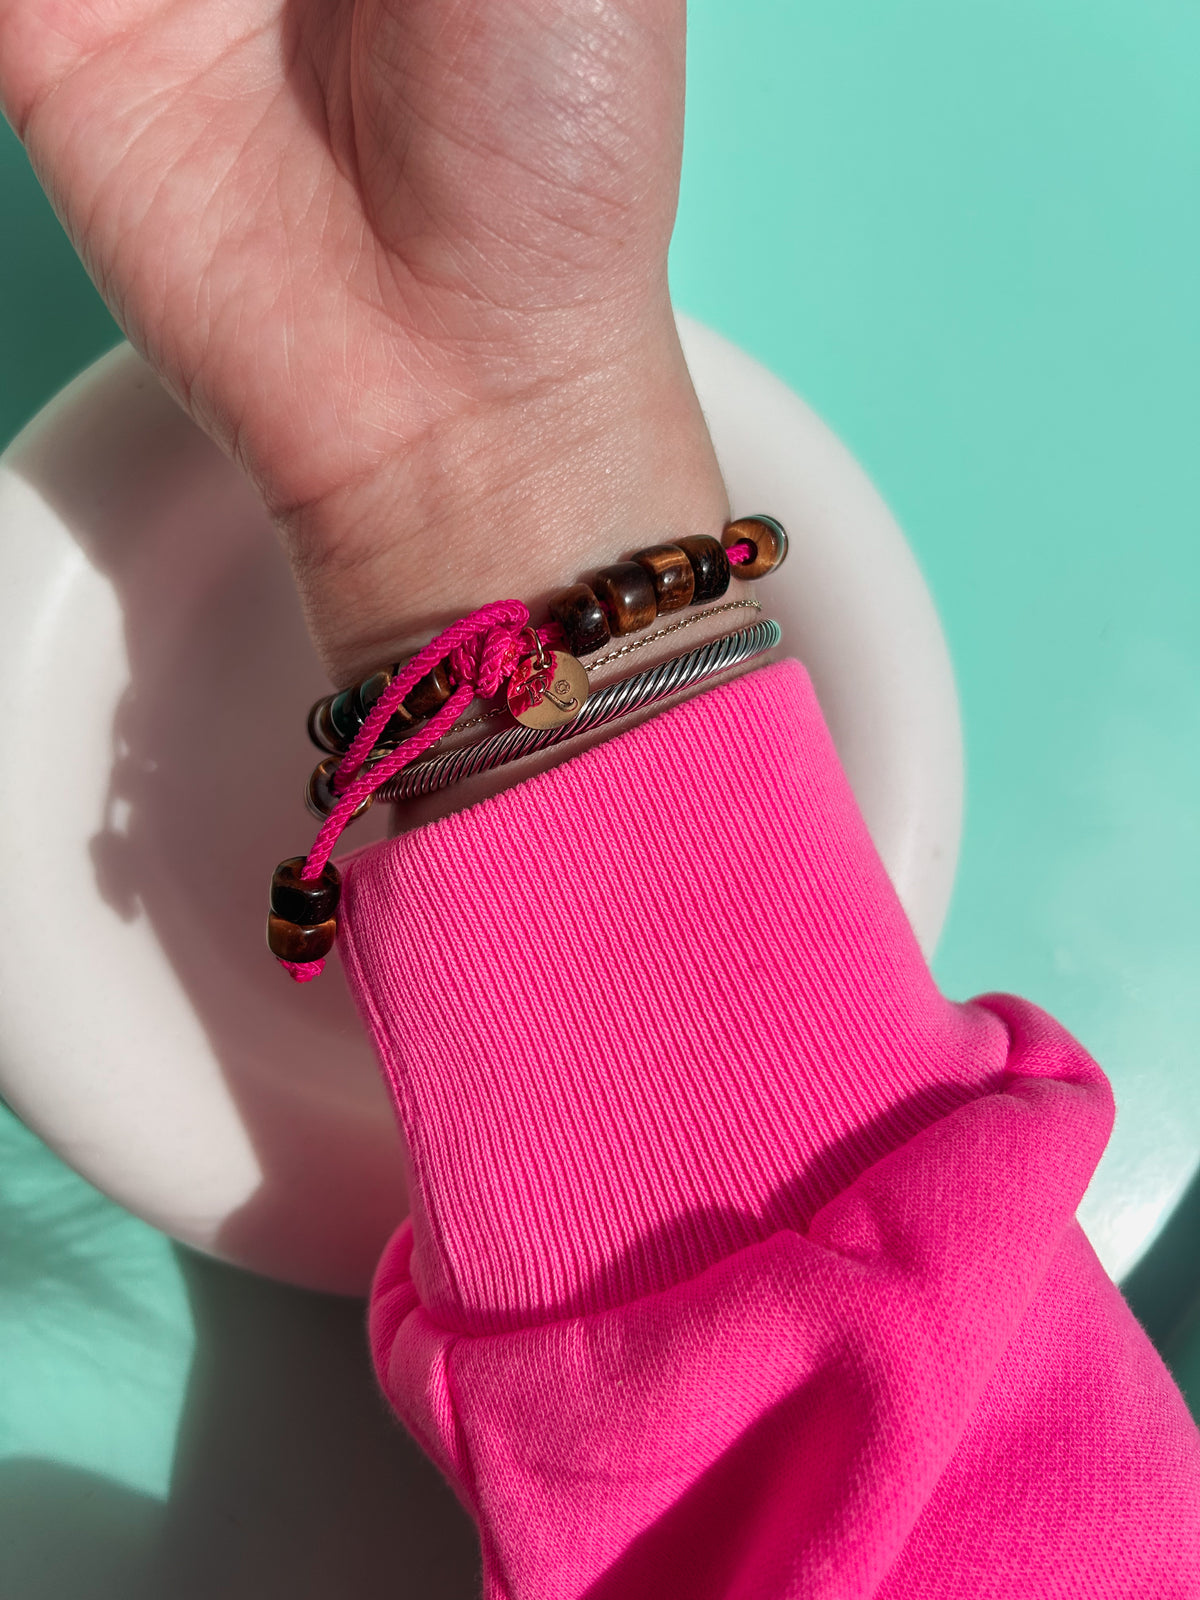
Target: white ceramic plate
<point>153,648</point>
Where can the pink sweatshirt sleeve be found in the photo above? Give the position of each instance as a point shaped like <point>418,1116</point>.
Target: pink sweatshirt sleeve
<point>741,1263</point>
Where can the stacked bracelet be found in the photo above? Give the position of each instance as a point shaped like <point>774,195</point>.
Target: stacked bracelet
<point>617,600</point>
<point>609,704</point>
<point>390,719</point>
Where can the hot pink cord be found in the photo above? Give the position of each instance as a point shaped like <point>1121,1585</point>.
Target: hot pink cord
<point>482,651</point>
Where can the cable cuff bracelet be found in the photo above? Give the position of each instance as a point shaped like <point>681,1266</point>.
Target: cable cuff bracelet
<point>609,704</point>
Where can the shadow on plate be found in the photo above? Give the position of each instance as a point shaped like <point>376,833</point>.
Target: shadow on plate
<point>209,758</point>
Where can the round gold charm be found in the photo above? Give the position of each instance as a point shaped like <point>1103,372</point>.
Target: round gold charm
<point>551,692</point>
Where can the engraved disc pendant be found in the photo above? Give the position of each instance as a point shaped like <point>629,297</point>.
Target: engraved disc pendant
<point>551,692</point>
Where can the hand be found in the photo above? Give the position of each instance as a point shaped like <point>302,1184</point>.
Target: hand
<point>405,259</point>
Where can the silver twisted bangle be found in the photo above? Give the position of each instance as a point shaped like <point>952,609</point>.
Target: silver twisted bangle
<point>615,700</point>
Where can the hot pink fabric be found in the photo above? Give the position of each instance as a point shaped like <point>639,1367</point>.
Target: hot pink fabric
<point>742,1264</point>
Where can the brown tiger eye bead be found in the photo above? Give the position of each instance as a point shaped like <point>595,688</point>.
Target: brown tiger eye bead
<point>626,591</point>
<point>302,902</point>
<point>343,718</point>
<point>400,723</point>
<point>321,731</point>
<point>671,574</point>
<point>581,617</point>
<point>768,540</point>
<point>291,941</point>
<point>318,792</point>
<point>430,693</point>
<point>710,565</point>
<point>368,691</point>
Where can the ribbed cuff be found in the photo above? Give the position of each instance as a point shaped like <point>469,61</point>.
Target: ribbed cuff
<point>647,1008</point>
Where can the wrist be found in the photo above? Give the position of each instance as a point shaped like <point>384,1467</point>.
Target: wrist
<point>626,658</point>
<point>513,499</point>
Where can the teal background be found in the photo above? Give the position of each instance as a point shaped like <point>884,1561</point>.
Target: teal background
<point>968,234</point>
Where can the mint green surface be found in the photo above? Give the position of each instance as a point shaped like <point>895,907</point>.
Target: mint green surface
<point>95,1330</point>
<point>52,322</point>
<point>969,235</point>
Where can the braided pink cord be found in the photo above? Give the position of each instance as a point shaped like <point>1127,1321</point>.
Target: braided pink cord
<point>739,552</point>
<point>302,971</point>
<point>482,650</point>
<point>507,617</point>
<point>369,779</point>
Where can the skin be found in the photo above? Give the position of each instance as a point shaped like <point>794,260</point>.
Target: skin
<point>406,261</point>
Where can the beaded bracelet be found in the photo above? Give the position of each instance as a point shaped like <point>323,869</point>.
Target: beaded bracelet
<point>620,599</point>
<point>396,714</point>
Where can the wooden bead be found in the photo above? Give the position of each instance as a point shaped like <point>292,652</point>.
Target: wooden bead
<point>626,591</point>
<point>291,941</point>
<point>710,565</point>
<point>321,730</point>
<point>769,543</point>
<point>671,574</point>
<point>430,693</point>
<point>306,903</point>
<point>318,792</point>
<point>581,617</point>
